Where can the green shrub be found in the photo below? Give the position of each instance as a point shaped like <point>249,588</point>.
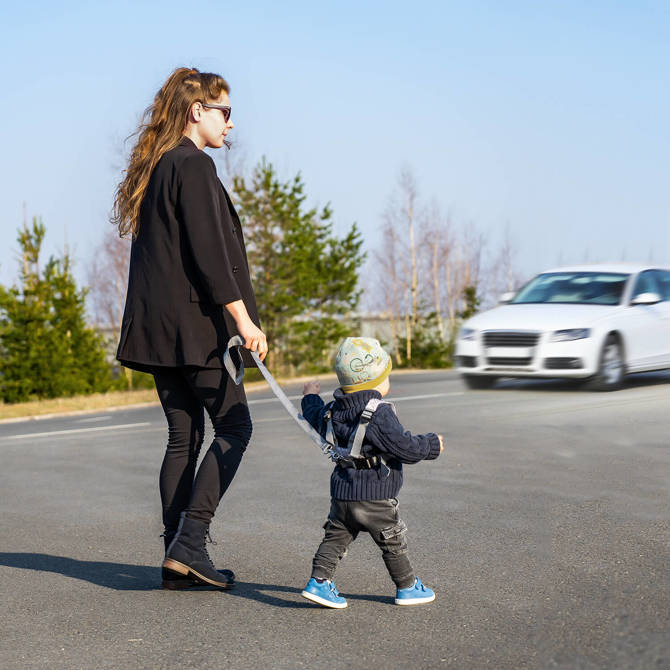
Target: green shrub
<point>46,348</point>
<point>429,350</point>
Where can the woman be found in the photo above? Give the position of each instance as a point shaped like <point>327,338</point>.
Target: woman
<point>189,291</point>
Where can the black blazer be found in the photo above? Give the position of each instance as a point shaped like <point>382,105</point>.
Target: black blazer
<point>187,261</point>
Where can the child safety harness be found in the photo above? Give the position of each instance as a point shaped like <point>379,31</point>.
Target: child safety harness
<point>349,457</point>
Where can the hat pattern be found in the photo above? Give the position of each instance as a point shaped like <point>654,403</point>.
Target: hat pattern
<point>361,363</point>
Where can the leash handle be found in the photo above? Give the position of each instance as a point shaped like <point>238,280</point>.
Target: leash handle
<point>236,373</point>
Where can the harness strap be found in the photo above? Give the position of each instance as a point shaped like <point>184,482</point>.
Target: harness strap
<point>356,440</point>
<point>330,433</point>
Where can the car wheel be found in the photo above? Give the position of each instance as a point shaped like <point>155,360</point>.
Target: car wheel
<point>479,381</point>
<point>612,368</point>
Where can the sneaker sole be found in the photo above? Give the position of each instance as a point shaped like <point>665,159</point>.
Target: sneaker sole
<point>322,601</point>
<point>414,601</point>
<point>182,569</point>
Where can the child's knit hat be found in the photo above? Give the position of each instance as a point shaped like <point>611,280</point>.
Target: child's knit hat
<point>361,364</point>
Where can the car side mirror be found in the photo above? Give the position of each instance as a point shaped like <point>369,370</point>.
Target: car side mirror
<point>646,299</point>
<point>506,297</point>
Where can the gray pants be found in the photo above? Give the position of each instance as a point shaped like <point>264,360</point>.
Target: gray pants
<point>379,518</point>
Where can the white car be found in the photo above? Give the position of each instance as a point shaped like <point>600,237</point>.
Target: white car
<point>591,322</point>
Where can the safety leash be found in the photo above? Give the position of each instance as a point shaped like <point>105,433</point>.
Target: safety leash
<point>237,374</point>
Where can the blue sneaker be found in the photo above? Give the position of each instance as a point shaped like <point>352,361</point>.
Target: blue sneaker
<point>324,594</point>
<point>419,594</point>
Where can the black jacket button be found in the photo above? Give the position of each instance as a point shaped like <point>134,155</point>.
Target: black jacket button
<point>234,268</point>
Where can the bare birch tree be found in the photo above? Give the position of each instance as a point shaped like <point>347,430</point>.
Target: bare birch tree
<point>400,218</point>
<point>389,260</point>
<point>462,269</point>
<point>504,274</point>
<point>108,280</point>
<point>428,265</point>
<point>435,251</point>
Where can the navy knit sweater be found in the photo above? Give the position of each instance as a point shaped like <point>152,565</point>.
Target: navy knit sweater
<point>384,435</point>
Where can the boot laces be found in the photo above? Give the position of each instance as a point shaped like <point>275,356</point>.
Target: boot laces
<point>209,540</point>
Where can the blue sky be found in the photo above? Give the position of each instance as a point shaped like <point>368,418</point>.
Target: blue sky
<point>549,116</point>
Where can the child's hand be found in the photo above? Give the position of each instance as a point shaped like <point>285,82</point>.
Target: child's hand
<point>441,438</point>
<point>311,387</point>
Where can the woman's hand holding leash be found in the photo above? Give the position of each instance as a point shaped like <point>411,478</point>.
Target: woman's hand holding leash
<point>254,337</point>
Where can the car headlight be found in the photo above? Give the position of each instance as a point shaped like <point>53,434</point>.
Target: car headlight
<point>570,334</point>
<point>466,334</point>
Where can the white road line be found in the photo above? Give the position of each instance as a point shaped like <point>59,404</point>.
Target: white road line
<point>428,395</point>
<point>77,430</point>
<point>263,401</point>
<point>391,398</point>
<point>123,426</point>
<point>95,418</point>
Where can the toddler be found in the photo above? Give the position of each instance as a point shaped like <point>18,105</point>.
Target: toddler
<point>364,486</point>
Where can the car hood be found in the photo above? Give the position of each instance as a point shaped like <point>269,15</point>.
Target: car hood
<point>541,317</point>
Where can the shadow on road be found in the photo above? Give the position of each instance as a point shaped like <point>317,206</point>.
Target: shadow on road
<point>126,577</point>
<point>258,592</point>
<point>118,576</point>
<point>255,592</point>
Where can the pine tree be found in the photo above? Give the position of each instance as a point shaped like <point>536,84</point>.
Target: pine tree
<point>304,277</point>
<point>47,349</point>
<point>472,302</point>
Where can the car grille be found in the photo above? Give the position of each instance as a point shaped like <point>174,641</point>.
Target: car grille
<point>508,338</point>
<point>509,362</point>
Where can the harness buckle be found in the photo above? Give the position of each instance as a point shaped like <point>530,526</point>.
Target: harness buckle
<point>366,415</point>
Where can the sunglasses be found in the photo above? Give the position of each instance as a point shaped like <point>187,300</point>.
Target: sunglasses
<point>224,108</point>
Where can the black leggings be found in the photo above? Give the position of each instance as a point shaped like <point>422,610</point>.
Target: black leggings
<point>184,393</point>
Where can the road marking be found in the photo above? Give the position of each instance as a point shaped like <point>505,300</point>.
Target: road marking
<point>391,399</point>
<point>263,401</point>
<point>401,398</point>
<point>71,431</point>
<point>124,426</point>
<point>95,418</point>
<point>428,395</point>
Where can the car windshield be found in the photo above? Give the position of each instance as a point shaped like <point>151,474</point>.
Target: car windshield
<point>579,288</point>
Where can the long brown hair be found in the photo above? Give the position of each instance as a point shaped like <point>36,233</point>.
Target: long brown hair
<point>161,129</point>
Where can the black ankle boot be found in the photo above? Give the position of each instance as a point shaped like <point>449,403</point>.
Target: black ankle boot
<point>173,580</point>
<point>186,558</point>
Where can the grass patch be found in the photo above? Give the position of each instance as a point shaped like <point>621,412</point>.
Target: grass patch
<point>84,403</point>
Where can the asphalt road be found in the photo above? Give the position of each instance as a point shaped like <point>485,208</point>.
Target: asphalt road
<point>544,530</point>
